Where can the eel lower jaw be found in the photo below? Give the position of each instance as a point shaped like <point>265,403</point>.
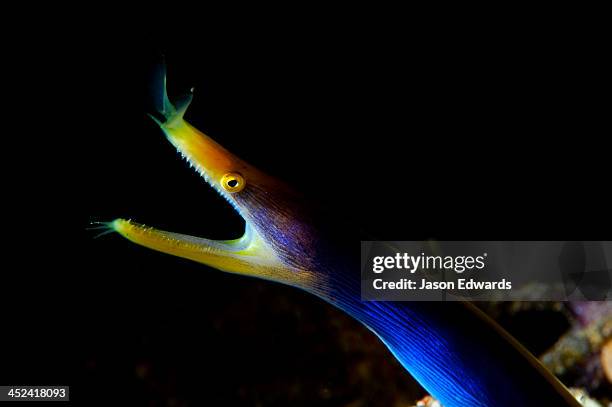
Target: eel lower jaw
<point>246,255</point>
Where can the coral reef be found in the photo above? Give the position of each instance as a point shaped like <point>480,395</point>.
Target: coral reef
<point>581,357</point>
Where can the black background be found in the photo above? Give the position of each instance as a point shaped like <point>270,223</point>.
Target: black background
<point>410,132</point>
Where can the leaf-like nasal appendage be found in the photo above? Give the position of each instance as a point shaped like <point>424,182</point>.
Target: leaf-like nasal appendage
<point>181,106</point>
<point>172,113</point>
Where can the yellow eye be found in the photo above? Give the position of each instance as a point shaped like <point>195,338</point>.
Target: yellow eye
<point>233,182</point>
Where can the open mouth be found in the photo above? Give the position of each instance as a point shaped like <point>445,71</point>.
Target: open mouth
<point>247,254</point>
<point>220,217</point>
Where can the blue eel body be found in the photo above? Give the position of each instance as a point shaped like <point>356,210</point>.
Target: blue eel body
<point>452,349</point>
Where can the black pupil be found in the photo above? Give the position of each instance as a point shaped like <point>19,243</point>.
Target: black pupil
<point>232,183</point>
